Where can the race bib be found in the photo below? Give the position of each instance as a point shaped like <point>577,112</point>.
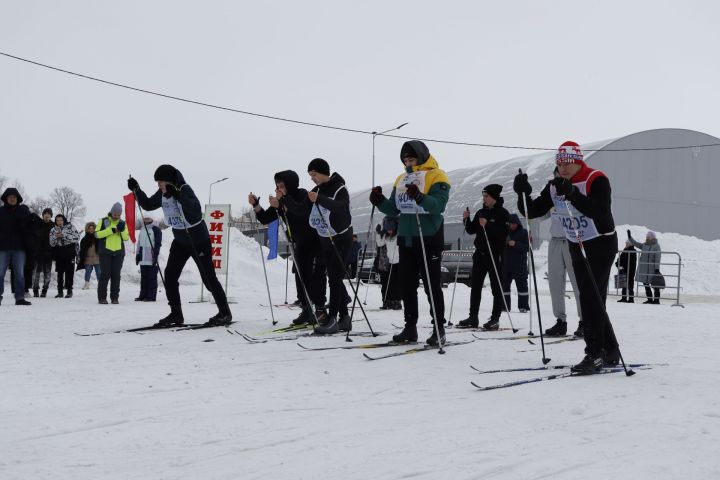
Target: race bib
<point>321,223</point>
<point>402,201</point>
<point>172,210</point>
<point>575,224</point>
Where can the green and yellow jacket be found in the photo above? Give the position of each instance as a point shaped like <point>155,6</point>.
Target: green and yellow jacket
<point>111,243</point>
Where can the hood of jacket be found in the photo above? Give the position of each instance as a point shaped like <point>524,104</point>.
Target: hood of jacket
<point>11,191</point>
<point>65,222</point>
<point>514,219</point>
<point>290,179</point>
<point>330,187</point>
<point>422,153</point>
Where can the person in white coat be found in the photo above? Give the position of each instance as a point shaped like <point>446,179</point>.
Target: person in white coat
<point>388,263</point>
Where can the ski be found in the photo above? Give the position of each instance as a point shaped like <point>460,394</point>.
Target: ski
<point>423,348</point>
<point>450,328</point>
<point>514,337</point>
<point>139,329</point>
<point>353,347</point>
<point>553,367</point>
<point>555,376</point>
<point>282,338</point>
<point>568,338</point>
<point>199,327</point>
<point>290,306</point>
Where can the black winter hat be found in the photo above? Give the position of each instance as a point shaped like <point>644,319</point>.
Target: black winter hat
<point>493,190</point>
<point>320,166</point>
<point>290,179</point>
<point>415,149</point>
<point>48,210</point>
<point>166,173</point>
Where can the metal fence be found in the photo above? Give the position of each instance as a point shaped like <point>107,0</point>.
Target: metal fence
<point>672,280</point>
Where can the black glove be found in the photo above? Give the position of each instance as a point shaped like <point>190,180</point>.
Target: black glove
<point>114,230</point>
<point>121,227</point>
<point>133,184</point>
<point>171,190</point>
<point>564,187</point>
<point>376,196</point>
<point>378,228</point>
<point>256,201</point>
<point>628,232</point>
<point>414,192</point>
<point>521,184</point>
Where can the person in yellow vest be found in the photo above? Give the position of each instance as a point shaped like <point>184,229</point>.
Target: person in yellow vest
<point>112,233</point>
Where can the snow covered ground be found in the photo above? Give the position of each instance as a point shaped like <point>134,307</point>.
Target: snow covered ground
<point>206,404</point>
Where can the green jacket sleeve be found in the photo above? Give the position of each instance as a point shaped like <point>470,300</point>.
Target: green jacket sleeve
<point>388,206</point>
<point>105,232</point>
<point>436,199</point>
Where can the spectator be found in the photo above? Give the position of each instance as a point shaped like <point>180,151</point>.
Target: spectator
<point>89,258</point>
<point>386,239</point>
<point>43,255</point>
<point>148,249</point>
<point>353,256</point>
<point>14,232</point>
<point>649,264</point>
<point>515,264</point>
<point>626,265</point>
<point>64,243</point>
<point>112,235</point>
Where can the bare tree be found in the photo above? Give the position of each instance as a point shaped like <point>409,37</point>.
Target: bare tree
<point>67,201</point>
<point>37,205</point>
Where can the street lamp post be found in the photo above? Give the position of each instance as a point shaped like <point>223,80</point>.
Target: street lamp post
<point>375,134</point>
<point>211,185</point>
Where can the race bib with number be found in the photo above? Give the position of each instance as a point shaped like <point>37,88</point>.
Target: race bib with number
<point>402,201</point>
<point>321,223</point>
<point>172,210</point>
<point>575,224</point>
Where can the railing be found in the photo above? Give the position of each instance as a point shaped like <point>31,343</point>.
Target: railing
<point>668,286</point>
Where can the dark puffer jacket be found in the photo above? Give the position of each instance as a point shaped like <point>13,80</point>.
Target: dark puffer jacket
<point>297,206</point>
<point>14,223</point>
<point>515,260</point>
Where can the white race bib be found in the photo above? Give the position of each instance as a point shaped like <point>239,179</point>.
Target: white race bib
<point>571,219</point>
<point>321,223</point>
<point>172,210</point>
<point>404,203</point>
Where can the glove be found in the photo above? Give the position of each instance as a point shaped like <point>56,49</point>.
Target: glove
<point>133,184</point>
<point>378,228</point>
<point>121,227</point>
<point>628,232</point>
<point>521,184</point>
<point>376,196</point>
<point>564,187</point>
<point>171,190</point>
<point>255,202</point>
<point>114,230</point>
<point>414,192</point>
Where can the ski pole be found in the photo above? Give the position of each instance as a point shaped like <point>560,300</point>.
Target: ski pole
<point>347,275</point>
<point>362,262</point>
<point>287,267</point>
<point>596,288</point>
<point>267,284</point>
<point>532,264</point>
<point>497,276</point>
<point>367,285</point>
<point>437,321</point>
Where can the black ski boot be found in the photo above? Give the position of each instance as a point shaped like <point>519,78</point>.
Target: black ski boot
<point>385,306</point>
<point>470,322</point>
<point>611,358</point>
<point>408,334</point>
<point>345,324</point>
<point>329,327</point>
<point>589,365</point>
<point>321,316</point>
<point>221,319</point>
<point>174,319</point>
<point>433,340</point>
<point>580,330</point>
<point>557,330</point>
<point>303,318</point>
<point>492,324</point>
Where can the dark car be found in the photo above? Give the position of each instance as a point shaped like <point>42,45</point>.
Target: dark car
<point>459,261</point>
<point>364,272</point>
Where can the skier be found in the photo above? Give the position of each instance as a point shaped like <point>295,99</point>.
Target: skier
<point>183,214</point>
<point>515,267</point>
<point>112,235</point>
<point>14,232</point>
<point>493,219</point>
<point>330,217</point>
<point>64,242</point>
<point>581,197</point>
<point>291,205</point>
<point>422,190</point>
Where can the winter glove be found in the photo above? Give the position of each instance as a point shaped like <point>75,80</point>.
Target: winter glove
<point>171,190</point>
<point>521,184</point>
<point>414,192</point>
<point>378,229</point>
<point>121,227</point>
<point>376,196</point>
<point>114,230</point>
<point>133,184</point>
<point>564,187</point>
<point>254,201</point>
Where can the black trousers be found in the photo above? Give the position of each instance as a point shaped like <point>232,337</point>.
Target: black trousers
<point>629,290</point>
<point>521,284</point>
<point>649,292</point>
<point>390,287</point>
<point>482,266</point>
<point>412,268</point>
<point>310,269</point>
<point>110,270</point>
<point>65,272</point>
<point>336,270</point>
<point>598,333</point>
<point>179,255</point>
<point>148,282</point>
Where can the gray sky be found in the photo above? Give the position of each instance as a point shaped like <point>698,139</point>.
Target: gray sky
<point>514,72</point>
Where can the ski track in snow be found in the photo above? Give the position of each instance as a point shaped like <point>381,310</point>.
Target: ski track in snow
<point>168,405</point>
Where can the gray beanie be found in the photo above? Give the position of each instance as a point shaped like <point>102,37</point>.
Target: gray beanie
<point>117,208</point>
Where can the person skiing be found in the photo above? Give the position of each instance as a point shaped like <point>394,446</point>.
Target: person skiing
<point>515,266</point>
<point>14,232</point>
<point>291,205</point>
<point>64,242</point>
<point>183,214</point>
<point>331,219</point>
<point>89,258</point>
<point>422,190</point>
<point>582,198</point>
<point>627,265</point>
<point>148,249</point>
<point>43,256</point>
<point>488,256</point>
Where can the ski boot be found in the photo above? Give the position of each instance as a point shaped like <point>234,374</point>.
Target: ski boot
<point>328,327</point>
<point>303,318</point>
<point>68,294</point>
<point>221,319</point>
<point>345,324</point>
<point>580,330</point>
<point>174,319</point>
<point>492,324</point>
<point>408,334</point>
<point>557,330</point>
<point>114,301</point>
<point>396,305</point>
<point>611,358</point>
<point>592,363</point>
<point>433,340</point>
<point>470,322</point>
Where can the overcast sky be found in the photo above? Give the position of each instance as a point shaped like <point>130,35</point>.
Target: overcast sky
<point>507,72</point>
